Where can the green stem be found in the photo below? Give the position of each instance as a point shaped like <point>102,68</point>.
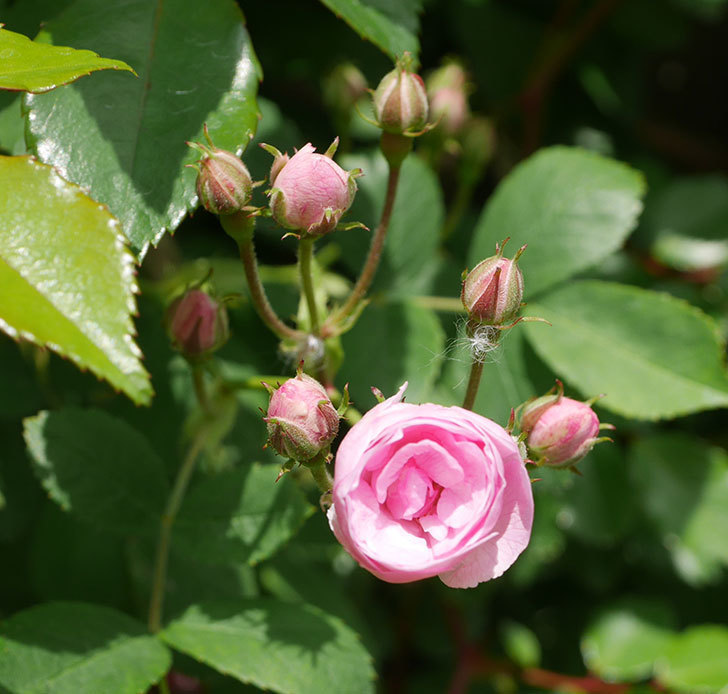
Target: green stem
<point>476,371</point>
<point>240,227</point>
<point>161,559</point>
<point>305,258</point>
<point>198,381</point>
<point>163,686</point>
<point>322,477</point>
<point>375,251</point>
<point>165,530</point>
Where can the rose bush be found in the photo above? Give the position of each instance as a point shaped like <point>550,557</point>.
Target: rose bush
<point>425,490</point>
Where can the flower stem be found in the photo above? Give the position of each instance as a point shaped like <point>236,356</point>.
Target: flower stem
<point>322,477</point>
<point>476,371</point>
<point>305,257</point>
<point>240,227</point>
<point>375,251</point>
<point>156,602</point>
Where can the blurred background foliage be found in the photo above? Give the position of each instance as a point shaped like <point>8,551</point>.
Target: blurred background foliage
<point>624,585</point>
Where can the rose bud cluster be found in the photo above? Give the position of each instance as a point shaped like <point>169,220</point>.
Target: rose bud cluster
<point>426,490</point>
<point>224,185</point>
<point>560,431</point>
<point>197,324</point>
<point>309,191</point>
<point>492,291</point>
<point>400,101</point>
<point>302,422</point>
<point>447,89</point>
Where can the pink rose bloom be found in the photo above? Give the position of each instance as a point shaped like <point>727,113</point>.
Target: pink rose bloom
<point>425,490</point>
<point>310,191</point>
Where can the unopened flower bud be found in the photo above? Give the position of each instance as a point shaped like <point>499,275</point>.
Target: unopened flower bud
<point>400,100</point>
<point>301,420</point>
<point>310,191</point>
<point>493,289</point>
<point>561,431</point>
<point>224,185</point>
<point>343,87</point>
<point>447,90</point>
<point>197,324</point>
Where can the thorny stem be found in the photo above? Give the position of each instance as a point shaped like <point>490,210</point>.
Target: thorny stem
<point>375,251</point>
<point>240,227</point>
<point>156,602</point>
<point>305,256</point>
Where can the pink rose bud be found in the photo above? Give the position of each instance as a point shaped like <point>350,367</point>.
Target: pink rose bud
<point>224,185</point>
<point>301,420</point>
<point>448,92</point>
<point>400,100</point>
<point>493,289</point>
<point>561,431</point>
<point>426,490</point>
<point>310,191</point>
<point>197,324</point>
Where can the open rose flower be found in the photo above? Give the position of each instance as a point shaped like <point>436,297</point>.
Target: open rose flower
<point>425,490</point>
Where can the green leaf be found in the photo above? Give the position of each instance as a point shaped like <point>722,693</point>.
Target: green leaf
<point>68,648</point>
<point>391,29</point>
<point>196,65</point>
<point>99,468</point>
<point>72,560</point>
<point>240,516</point>
<point>599,507</point>
<point>391,344</point>
<point>67,278</point>
<point>696,662</point>
<point>37,67</point>
<point>684,485</point>
<point>653,355</point>
<point>293,649</point>
<point>572,207</point>
<point>623,643</point>
<point>413,238</point>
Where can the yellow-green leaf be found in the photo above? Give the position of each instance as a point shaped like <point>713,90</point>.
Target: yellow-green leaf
<point>38,67</point>
<point>67,277</point>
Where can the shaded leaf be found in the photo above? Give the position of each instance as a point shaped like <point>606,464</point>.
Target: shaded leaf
<point>98,468</point>
<point>67,648</point>
<point>391,344</point>
<point>39,67</point>
<point>684,487</point>
<point>653,355</point>
<point>67,278</point>
<point>239,516</point>
<point>72,560</point>
<point>600,506</point>
<point>196,65</point>
<point>413,238</point>
<point>296,649</point>
<point>392,29</point>
<point>572,207</point>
